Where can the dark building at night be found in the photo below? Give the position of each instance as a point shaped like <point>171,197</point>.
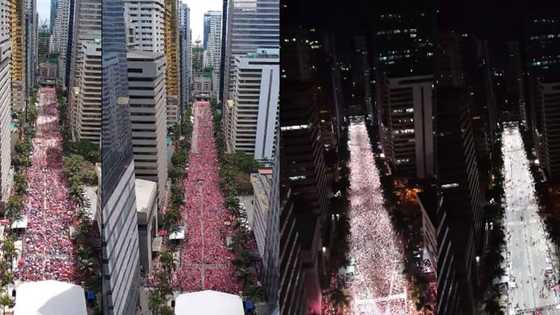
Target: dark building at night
<point>404,92</point>
<point>543,64</point>
<point>458,178</point>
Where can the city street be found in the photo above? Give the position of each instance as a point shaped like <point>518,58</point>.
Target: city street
<point>377,284</point>
<point>48,251</point>
<point>206,262</point>
<point>528,250</point>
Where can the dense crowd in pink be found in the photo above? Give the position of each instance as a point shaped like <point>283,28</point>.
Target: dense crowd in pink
<point>48,251</point>
<point>206,262</point>
<point>378,285</point>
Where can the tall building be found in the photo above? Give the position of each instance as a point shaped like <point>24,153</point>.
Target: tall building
<point>251,115</point>
<point>404,93</point>
<point>6,174</point>
<point>514,83</point>
<point>146,88</point>
<point>186,57</point>
<point>172,61</point>
<point>548,102</point>
<point>52,21</point>
<point>43,46</point>
<point>214,47</point>
<point>304,175</point>
<point>87,107</point>
<point>543,68</point>
<point>144,22</point>
<point>119,229</point>
<point>31,24</point>
<point>197,59</point>
<point>206,31</point>
<point>407,124</point>
<point>457,173</point>
<point>85,78</point>
<point>18,38</point>
<point>243,18</point>
<point>271,257</point>
<point>60,35</point>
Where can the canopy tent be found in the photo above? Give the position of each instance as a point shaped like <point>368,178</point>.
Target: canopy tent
<point>49,297</point>
<point>178,234</point>
<point>20,223</point>
<point>208,302</point>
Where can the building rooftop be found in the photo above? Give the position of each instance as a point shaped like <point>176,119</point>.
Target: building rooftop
<point>146,191</point>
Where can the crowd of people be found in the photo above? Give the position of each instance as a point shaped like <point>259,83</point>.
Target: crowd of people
<point>529,253</point>
<point>206,262</point>
<point>48,251</point>
<point>377,284</point>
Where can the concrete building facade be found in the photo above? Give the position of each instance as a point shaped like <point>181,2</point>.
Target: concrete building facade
<point>250,120</point>
<point>146,79</point>
<point>6,173</point>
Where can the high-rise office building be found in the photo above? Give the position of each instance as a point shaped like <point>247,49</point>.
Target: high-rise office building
<point>206,31</point>
<point>271,257</point>
<point>197,59</point>
<point>514,83</point>
<point>119,229</point>
<point>60,35</point>
<point>251,114</point>
<point>19,51</point>
<point>404,93</point>
<point>548,102</point>
<point>144,22</point>
<point>52,20</point>
<point>87,107</point>
<point>305,175</point>
<point>6,173</point>
<point>84,97</point>
<point>214,47</point>
<point>186,57</point>
<point>406,123</point>
<point>244,17</point>
<point>172,61</point>
<point>31,23</point>
<point>542,81</point>
<point>146,88</point>
<point>43,46</point>
<point>458,177</point>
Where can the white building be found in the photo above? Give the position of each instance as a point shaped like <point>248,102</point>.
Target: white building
<point>146,90</point>
<point>146,206</point>
<point>144,23</point>
<point>214,50</point>
<point>5,102</point>
<point>252,115</point>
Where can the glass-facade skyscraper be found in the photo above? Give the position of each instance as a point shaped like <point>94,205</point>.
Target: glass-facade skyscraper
<point>118,201</point>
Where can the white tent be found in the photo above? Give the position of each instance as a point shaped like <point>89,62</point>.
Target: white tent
<point>49,297</point>
<point>20,223</point>
<point>208,302</point>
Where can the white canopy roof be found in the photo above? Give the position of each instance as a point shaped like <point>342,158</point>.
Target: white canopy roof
<point>179,234</point>
<point>208,302</point>
<point>20,223</point>
<point>49,297</point>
